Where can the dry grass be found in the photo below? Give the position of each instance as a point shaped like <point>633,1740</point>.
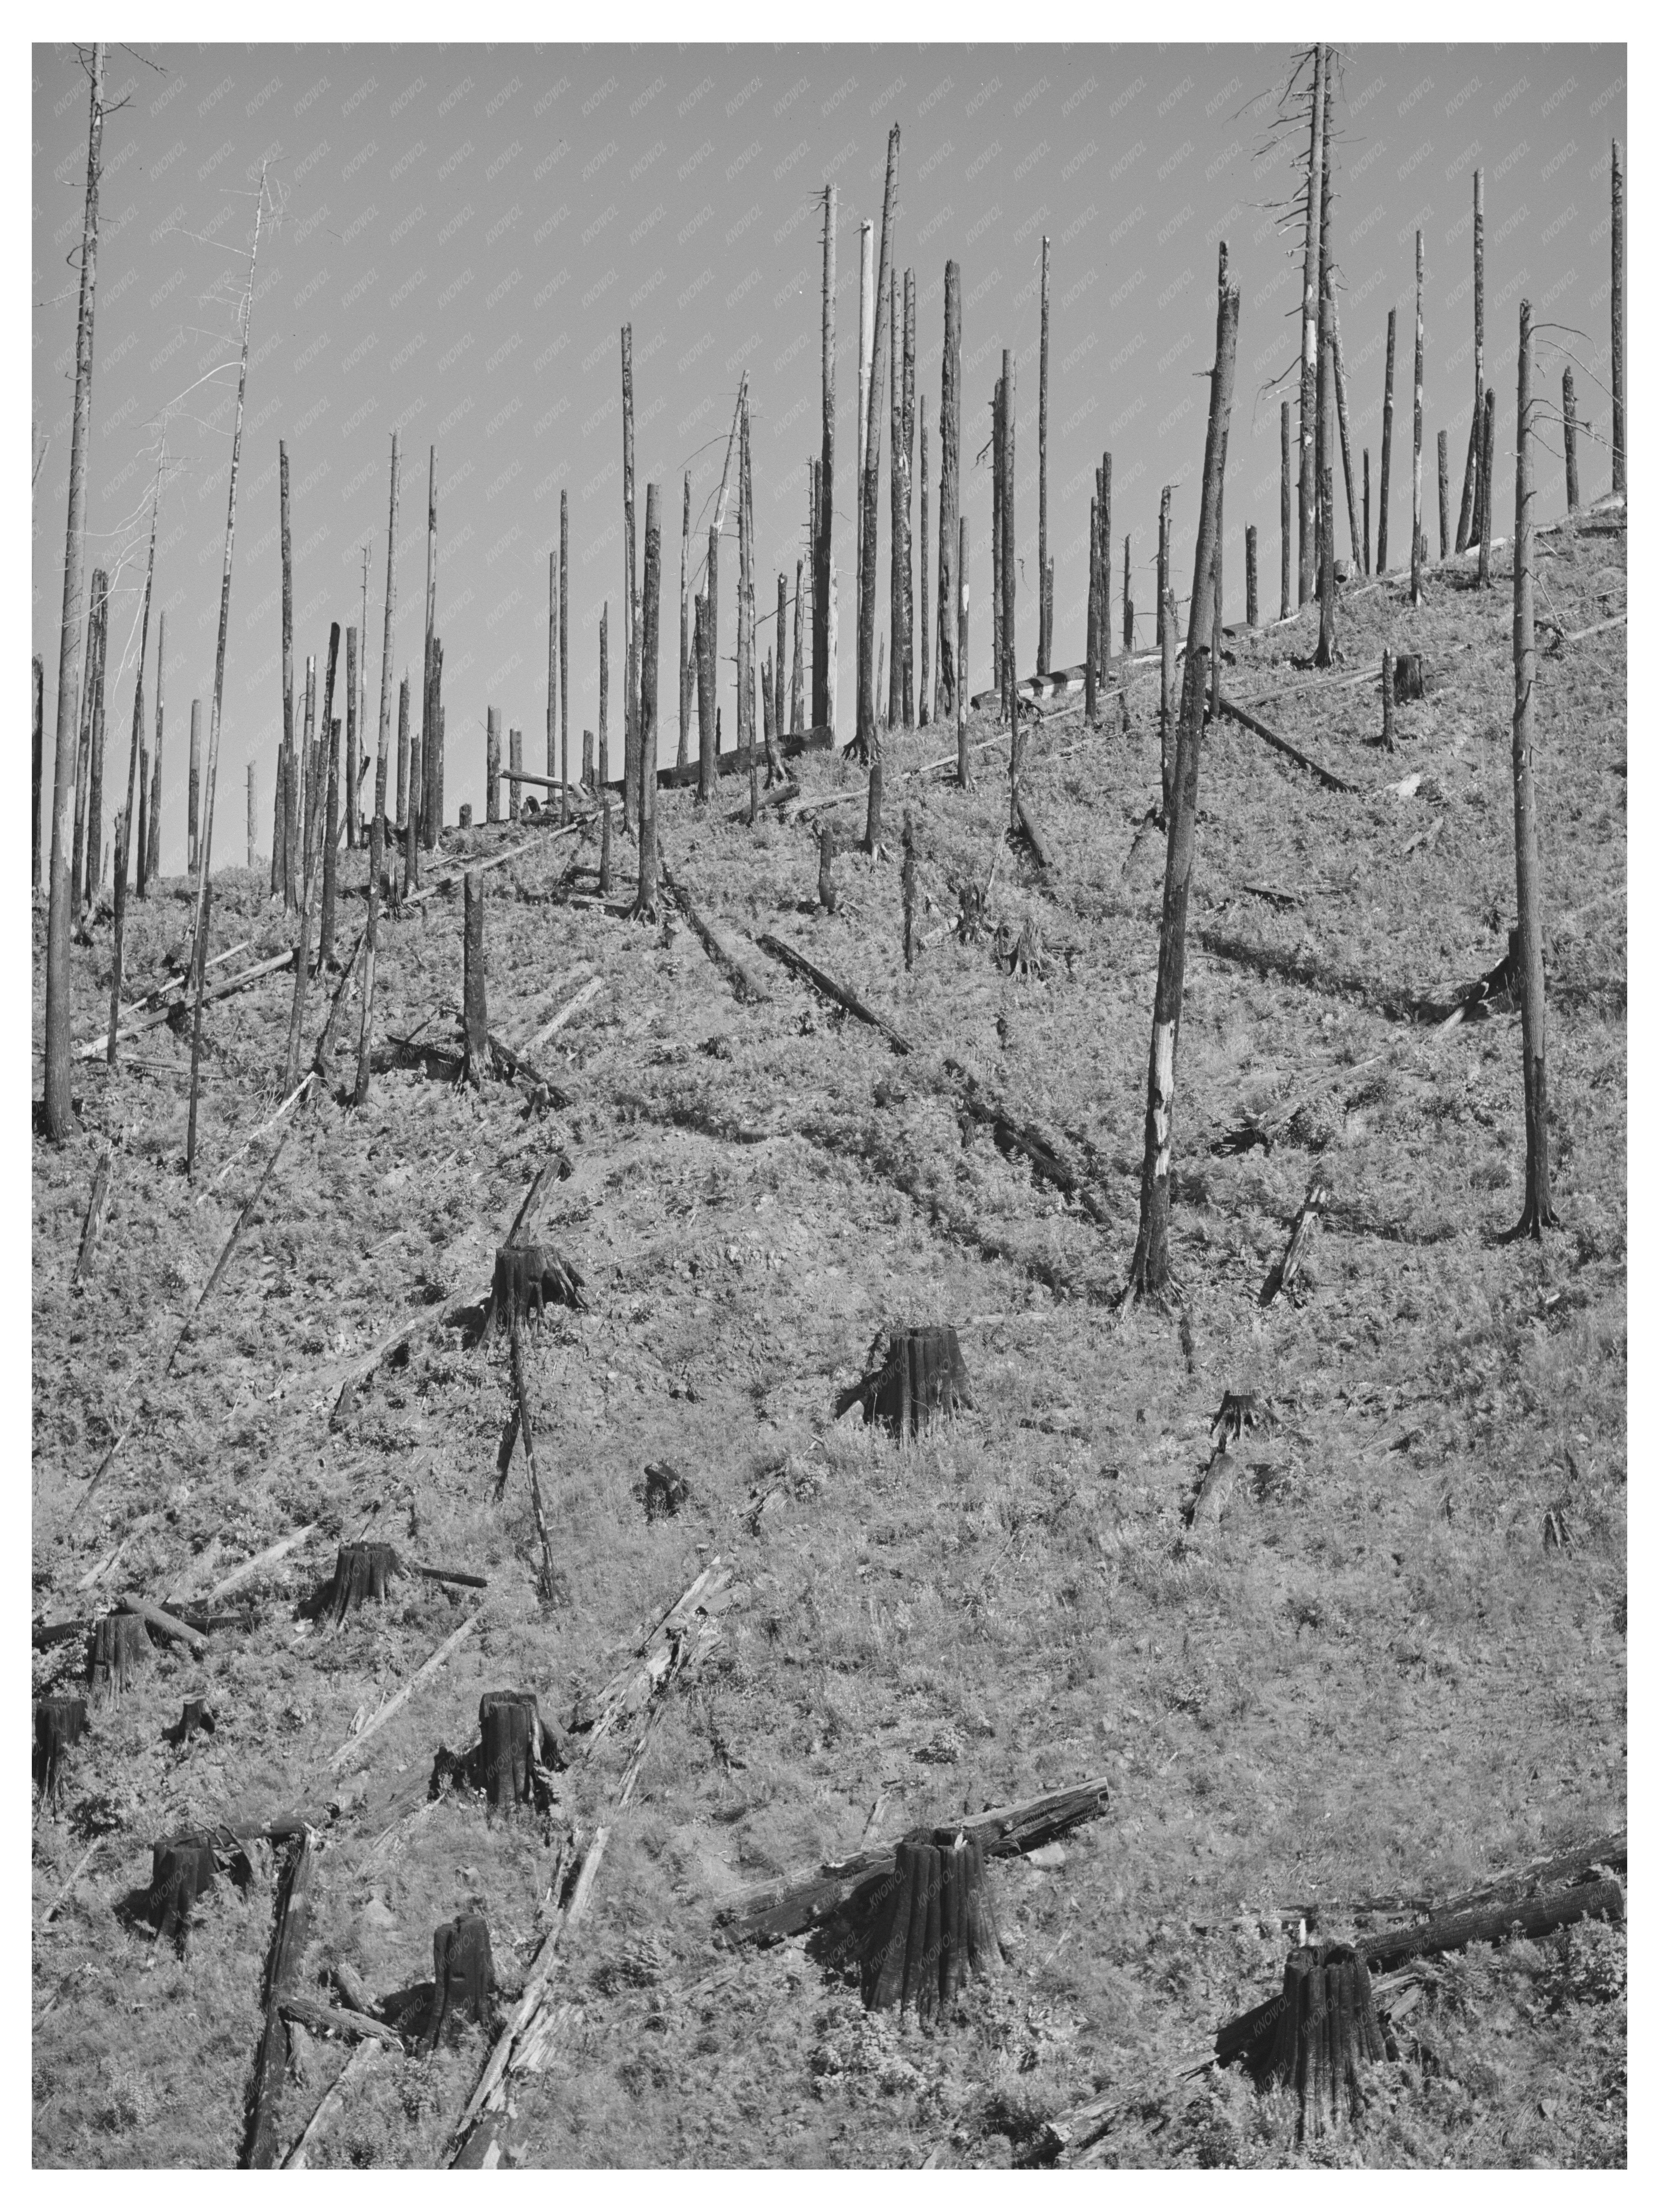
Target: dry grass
<point>1368,1676</point>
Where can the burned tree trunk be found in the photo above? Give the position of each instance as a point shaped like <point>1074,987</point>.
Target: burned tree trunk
<point>119,1648</point>
<point>1285,510</point>
<point>463,1976</point>
<point>510,1726</point>
<point>59,1725</point>
<point>949,438</point>
<point>939,1930</point>
<point>708,769</point>
<point>827,897</point>
<point>1283,1275</point>
<point>1149,1273</point>
<point>182,1870</point>
<point>1327,2031</point>
<point>361,1571</point>
<point>868,740</point>
<point>96,1204</point>
<point>1617,312</point>
<point>647,652</point>
<point>823,715</point>
<point>1466,523</point>
<point>1387,449</point>
<point>1417,441</point>
<point>1570,437</point>
<point>1311,258</point>
<point>1537,1215</point>
<point>475,1016</point>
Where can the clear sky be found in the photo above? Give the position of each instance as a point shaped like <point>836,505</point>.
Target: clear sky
<point>464,229</point>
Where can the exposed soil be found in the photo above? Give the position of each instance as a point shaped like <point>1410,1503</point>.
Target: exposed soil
<point>1367,1675</point>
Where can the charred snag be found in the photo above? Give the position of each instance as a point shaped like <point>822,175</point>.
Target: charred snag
<point>361,1571</point>
<point>59,1725</point>
<point>119,1647</point>
<point>463,1975</point>
<point>1326,2030</point>
<point>516,1752</point>
<point>922,1376</point>
<point>527,1277</point>
<point>937,1930</point>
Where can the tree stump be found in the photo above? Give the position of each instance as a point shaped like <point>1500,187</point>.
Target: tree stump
<point>527,1277</point>
<point>182,1870</point>
<point>361,1571</point>
<point>1327,2031</point>
<point>463,1974</point>
<point>924,1375</point>
<point>120,1646</point>
<point>59,1725</point>
<point>666,1490</point>
<point>1407,677</point>
<point>197,1714</point>
<point>510,1724</point>
<point>464,819</point>
<point>936,1931</point>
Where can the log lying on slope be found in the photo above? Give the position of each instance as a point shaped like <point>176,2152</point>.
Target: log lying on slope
<point>1331,780</point>
<point>799,1901</point>
<point>839,994</point>
<point>659,1655</point>
<point>719,948</point>
<point>288,1945</point>
<point>1043,1153</point>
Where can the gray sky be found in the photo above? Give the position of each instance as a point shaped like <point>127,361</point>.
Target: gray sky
<point>462,231</point>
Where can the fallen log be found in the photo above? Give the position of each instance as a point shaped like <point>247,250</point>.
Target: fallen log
<point>164,1623</point>
<point>1283,1275</point>
<point>589,990</point>
<point>99,1045</point>
<point>360,2059</point>
<point>327,2019</point>
<point>653,1658</point>
<point>799,1901</point>
<point>838,994</point>
<point>69,1888</point>
<point>249,1568</point>
<point>719,949</point>
<point>288,1945</point>
<point>395,1705</point>
<point>513,2043</point>
<point>1033,837</point>
<point>1046,1158</point>
<point>93,1225</point>
<point>1326,776</point>
<point>178,983</point>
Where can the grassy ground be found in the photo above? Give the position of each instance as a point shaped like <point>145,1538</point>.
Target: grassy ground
<point>1369,1676</point>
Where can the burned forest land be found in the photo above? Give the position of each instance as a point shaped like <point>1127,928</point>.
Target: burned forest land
<point>1384,1661</point>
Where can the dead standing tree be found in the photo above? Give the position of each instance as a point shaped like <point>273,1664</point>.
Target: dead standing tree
<point>1467,512</point>
<point>377,827</point>
<point>1149,1272</point>
<point>217,714</point>
<point>135,771</point>
<point>950,444</point>
<point>868,742</point>
<point>645,907</point>
<point>1308,487</point>
<point>58,1114</point>
<point>823,676</point>
<point>1537,1215</point>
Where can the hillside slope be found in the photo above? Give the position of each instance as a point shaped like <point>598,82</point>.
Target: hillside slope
<point>1368,1676</point>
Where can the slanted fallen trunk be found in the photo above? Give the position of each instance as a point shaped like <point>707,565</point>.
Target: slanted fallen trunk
<point>327,2019</point>
<point>1033,837</point>
<point>165,1623</point>
<point>1283,1275</point>
<point>422,1675</point>
<point>463,1976</point>
<point>119,1648</point>
<point>660,1654</point>
<point>837,993</point>
<point>59,1725</point>
<point>1043,1153</point>
<point>97,1205</point>
<point>1331,780</point>
<point>720,949</point>
<point>293,1932</point>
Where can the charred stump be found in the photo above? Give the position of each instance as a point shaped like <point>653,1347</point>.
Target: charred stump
<point>184,1866</point>
<point>666,1490</point>
<point>510,1725</point>
<point>527,1278</point>
<point>119,1647</point>
<point>59,1725</point>
<point>197,1715</point>
<point>938,1931</point>
<point>361,1571</point>
<point>923,1375</point>
<point>1407,677</point>
<point>463,1975</point>
<point>1327,2031</point>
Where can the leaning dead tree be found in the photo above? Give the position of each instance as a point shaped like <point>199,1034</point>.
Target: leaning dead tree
<point>58,1113</point>
<point>1537,1215</point>
<point>217,714</point>
<point>1149,1272</point>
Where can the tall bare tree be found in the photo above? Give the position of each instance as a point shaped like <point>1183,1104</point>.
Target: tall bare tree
<point>869,734</point>
<point>57,1112</point>
<point>1537,1215</point>
<point>135,770</point>
<point>1149,1271</point>
<point>216,715</point>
